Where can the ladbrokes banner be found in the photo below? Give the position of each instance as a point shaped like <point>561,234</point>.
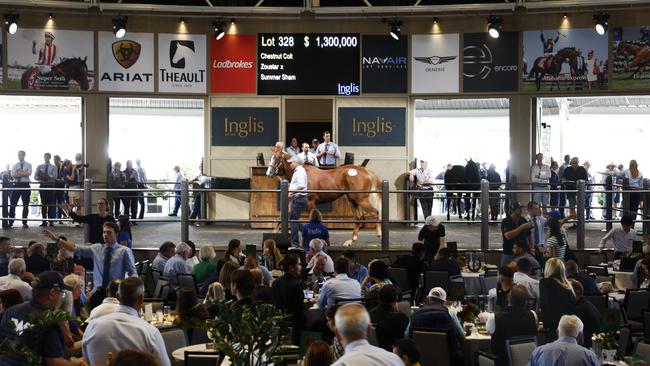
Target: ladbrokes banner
<point>233,64</point>
<point>126,64</point>
<point>372,126</point>
<point>490,64</point>
<point>50,59</point>
<point>181,63</point>
<point>630,58</point>
<point>384,64</point>
<point>244,126</point>
<point>435,63</point>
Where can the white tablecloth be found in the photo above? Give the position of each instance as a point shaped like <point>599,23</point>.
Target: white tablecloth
<point>179,354</point>
<point>624,280</point>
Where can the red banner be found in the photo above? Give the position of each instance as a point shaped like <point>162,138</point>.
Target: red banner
<point>233,62</point>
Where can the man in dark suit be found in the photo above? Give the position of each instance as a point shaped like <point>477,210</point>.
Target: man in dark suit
<point>414,265</point>
<point>587,312</point>
<point>390,324</point>
<point>288,295</point>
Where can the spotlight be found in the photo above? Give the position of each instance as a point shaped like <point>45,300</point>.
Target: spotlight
<point>11,23</point>
<point>435,20</point>
<point>602,23</point>
<point>119,25</point>
<point>395,29</point>
<point>51,16</point>
<point>182,20</point>
<point>566,15</point>
<point>494,26</point>
<point>219,28</point>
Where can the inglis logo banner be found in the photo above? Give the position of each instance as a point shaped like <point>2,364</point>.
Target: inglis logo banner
<point>384,64</point>
<point>372,126</point>
<point>126,64</point>
<point>244,126</point>
<point>232,60</point>
<point>489,64</point>
<point>181,63</point>
<point>435,63</point>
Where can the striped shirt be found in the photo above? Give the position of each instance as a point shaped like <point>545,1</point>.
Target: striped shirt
<point>47,54</point>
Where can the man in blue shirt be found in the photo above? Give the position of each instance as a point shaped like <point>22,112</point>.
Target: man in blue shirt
<point>110,261</point>
<point>177,264</point>
<point>357,270</point>
<point>46,174</point>
<point>340,287</point>
<point>566,350</point>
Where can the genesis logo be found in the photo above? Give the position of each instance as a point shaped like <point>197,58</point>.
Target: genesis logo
<point>478,62</point>
<point>179,51</point>
<point>435,60</point>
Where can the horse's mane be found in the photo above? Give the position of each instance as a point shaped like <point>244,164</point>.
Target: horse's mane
<point>472,173</point>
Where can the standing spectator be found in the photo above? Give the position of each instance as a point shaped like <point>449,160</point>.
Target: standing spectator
<point>94,221</point>
<point>307,155</point>
<point>314,146</point>
<point>538,220</point>
<point>20,172</point>
<point>117,181</point>
<point>46,175</point>
<point>423,178</point>
<point>142,184</point>
<point>298,197</point>
<point>36,262</point>
<point>124,236</point>
<point>314,229</point>
<point>339,287</point>
<point>200,182</point>
<point>14,280</point>
<point>557,241</point>
<point>572,174</point>
<point>6,195</point>
<point>131,183</point>
<point>555,185</point>
<point>635,179</point>
<point>357,270</point>
<point>610,171</point>
<point>540,174</point>
<point>590,187</point>
<point>622,237</point>
<point>327,152</point>
<point>59,195</point>
<point>288,295</point>
<point>207,267</point>
<point>565,350</point>
<point>80,174</point>
<point>587,312</point>
<point>556,296</point>
<point>432,235</point>
<point>178,178</point>
<point>165,251</point>
<point>177,264</point>
<point>514,228</point>
<point>414,265</point>
<point>293,148</point>
<point>5,249</point>
<point>110,260</point>
<point>563,196</point>
<point>495,183</point>
<point>390,323</point>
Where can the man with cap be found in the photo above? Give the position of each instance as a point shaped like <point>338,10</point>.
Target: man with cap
<point>432,235</point>
<point>423,178</point>
<point>46,341</point>
<point>514,228</point>
<point>177,264</point>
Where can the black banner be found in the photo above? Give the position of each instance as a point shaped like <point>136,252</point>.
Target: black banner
<point>244,126</point>
<point>372,126</point>
<point>384,64</point>
<point>490,64</point>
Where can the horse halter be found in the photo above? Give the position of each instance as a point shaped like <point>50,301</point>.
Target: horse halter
<point>278,163</point>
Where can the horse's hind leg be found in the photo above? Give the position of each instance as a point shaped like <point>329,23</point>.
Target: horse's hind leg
<point>448,207</point>
<point>366,205</point>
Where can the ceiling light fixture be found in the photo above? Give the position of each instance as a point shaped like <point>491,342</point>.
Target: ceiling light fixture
<point>119,25</point>
<point>602,23</point>
<point>494,26</point>
<point>11,23</point>
<point>395,29</point>
<point>219,28</point>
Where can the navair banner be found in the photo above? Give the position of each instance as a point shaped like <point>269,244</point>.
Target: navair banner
<point>50,59</point>
<point>384,64</point>
<point>490,64</point>
<point>126,64</point>
<point>564,60</point>
<point>435,60</point>
<point>181,63</point>
<point>631,58</point>
<point>372,127</point>
<point>244,126</point>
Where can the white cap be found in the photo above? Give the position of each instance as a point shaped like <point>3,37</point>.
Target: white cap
<point>431,221</point>
<point>438,293</point>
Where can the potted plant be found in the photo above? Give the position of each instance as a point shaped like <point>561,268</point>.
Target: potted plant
<point>605,346</point>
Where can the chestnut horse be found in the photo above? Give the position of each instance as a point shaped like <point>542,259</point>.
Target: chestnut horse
<point>344,178</point>
<point>641,53</point>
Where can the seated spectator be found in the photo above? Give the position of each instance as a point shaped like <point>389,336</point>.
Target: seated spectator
<point>216,292</point>
<point>188,310</point>
<point>556,296</point>
<point>637,275</point>
<point>166,251</point>
<point>192,259</point>
<point>271,255</point>
<point>225,276</point>
<point>588,283</point>
<point>263,293</point>
<point>124,236</point>
<point>251,263</point>
<point>407,350</point>
<point>587,312</point>
<point>317,275</point>
<point>5,248</point>
<point>565,350</point>
<point>352,325</point>
<point>206,267</point>
<point>36,262</point>
<point>14,281</point>
<point>16,253</point>
<point>109,304</point>
<point>377,278</point>
<point>234,252</point>
<point>522,277</point>
<point>242,286</point>
<point>64,262</point>
<point>390,324</point>
<point>645,272</point>
<point>318,354</point>
<point>498,297</point>
<point>336,347</point>
<point>357,270</point>
<point>314,230</point>
<point>9,298</point>
<point>514,321</point>
<point>177,264</point>
<point>124,329</point>
<point>73,329</point>
<point>414,265</point>
<point>131,357</point>
<point>316,249</point>
<point>339,287</point>
<point>443,262</point>
<point>288,295</point>
<point>520,249</point>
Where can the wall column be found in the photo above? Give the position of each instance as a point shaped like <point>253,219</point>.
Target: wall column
<point>521,142</point>
<point>95,138</point>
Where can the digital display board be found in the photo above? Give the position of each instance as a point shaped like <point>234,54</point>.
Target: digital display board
<point>308,64</point>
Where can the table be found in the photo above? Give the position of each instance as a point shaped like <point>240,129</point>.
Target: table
<point>623,280</point>
<point>179,354</point>
<point>476,342</point>
<point>472,282</point>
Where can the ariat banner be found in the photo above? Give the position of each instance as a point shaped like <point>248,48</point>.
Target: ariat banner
<point>126,64</point>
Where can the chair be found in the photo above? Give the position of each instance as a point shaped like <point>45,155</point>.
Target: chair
<point>595,259</point>
<point>384,259</point>
<point>187,281</point>
<point>196,358</point>
<point>160,285</point>
<point>155,276</point>
<point>601,302</point>
<point>519,350</point>
<point>597,270</point>
<point>643,350</point>
<point>624,337</point>
<point>646,325</point>
<point>635,301</point>
<point>488,281</point>
<point>400,276</point>
<point>485,359</point>
<point>173,339</point>
<point>434,347</point>
<point>404,307</point>
<point>341,300</point>
<point>435,279</point>
<point>199,336</point>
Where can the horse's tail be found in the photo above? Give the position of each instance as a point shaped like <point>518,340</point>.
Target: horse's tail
<point>375,198</point>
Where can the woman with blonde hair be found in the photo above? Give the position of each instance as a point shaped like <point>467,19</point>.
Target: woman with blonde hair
<point>271,254</point>
<point>635,179</point>
<point>207,267</point>
<point>556,296</point>
<point>225,275</point>
<point>314,230</point>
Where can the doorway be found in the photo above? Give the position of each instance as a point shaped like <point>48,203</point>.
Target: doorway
<point>306,119</point>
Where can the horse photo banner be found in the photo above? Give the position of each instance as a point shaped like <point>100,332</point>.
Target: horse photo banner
<point>51,59</point>
<point>126,64</point>
<point>181,63</point>
<point>244,126</point>
<point>490,64</point>
<point>631,58</point>
<point>564,59</point>
<point>435,63</point>
<point>372,127</point>
<point>384,64</point>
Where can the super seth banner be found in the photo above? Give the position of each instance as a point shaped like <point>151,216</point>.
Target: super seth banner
<point>435,63</point>
<point>181,63</point>
<point>564,59</point>
<point>126,64</point>
<point>631,58</point>
<point>490,64</point>
<point>244,126</point>
<point>372,127</point>
<point>50,59</point>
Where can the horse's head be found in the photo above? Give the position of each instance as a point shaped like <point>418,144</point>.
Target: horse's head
<point>277,165</point>
<point>76,69</point>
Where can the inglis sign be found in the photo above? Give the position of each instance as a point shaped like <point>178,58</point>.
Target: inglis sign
<point>372,126</point>
<point>244,126</point>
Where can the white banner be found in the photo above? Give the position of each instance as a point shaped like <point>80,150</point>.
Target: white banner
<point>50,59</point>
<point>126,64</point>
<point>435,63</point>
<point>182,63</point>
<point>1,60</point>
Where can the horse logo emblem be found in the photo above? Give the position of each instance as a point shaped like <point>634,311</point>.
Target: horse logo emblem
<point>179,51</point>
<point>435,60</point>
<point>477,61</point>
<point>126,52</point>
